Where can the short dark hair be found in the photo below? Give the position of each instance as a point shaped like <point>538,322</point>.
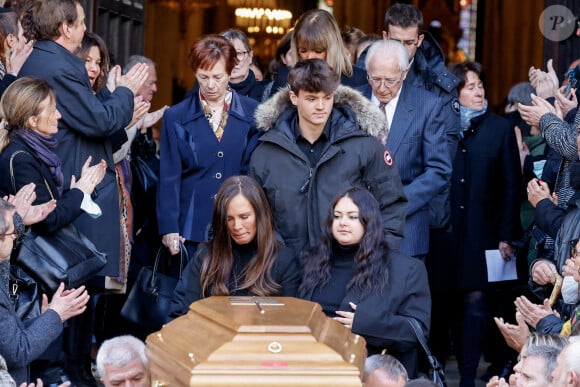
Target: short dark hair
<point>313,75</point>
<point>460,70</point>
<point>404,16</point>
<point>208,50</point>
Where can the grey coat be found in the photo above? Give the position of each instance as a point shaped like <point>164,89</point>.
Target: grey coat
<point>21,343</point>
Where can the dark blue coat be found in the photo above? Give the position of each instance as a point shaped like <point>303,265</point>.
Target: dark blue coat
<point>83,131</point>
<point>417,142</point>
<point>194,163</point>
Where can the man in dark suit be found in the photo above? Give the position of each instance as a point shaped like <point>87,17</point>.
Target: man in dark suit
<point>87,122</point>
<point>427,70</point>
<point>416,137</point>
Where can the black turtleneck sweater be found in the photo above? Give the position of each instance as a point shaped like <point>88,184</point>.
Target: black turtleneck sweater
<point>342,268</point>
<point>241,261</point>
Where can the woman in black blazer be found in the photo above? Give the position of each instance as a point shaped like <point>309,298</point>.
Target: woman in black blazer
<point>363,284</point>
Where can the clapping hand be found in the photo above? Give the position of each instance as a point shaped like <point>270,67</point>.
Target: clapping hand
<point>532,313</point>
<point>29,213</point>
<point>91,176</point>
<point>514,335</point>
<point>66,303</point>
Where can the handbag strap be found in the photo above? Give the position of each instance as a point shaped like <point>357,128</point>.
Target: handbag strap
<point>12,174</point>
<point>433,362</point>
<point>182,252</point>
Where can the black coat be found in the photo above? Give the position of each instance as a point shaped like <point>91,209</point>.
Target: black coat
<point>381,317</point>
<point>285,273</point>
<point>484,203</point>
<point>299,193</point>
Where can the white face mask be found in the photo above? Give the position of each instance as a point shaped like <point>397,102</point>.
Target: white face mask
<point>570,290</point>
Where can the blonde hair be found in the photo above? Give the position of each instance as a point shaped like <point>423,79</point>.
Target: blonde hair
<point>317,29</point>
<point>20,101</point>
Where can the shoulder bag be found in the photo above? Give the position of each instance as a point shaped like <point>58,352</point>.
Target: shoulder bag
<point>65,256</point>
<point>23,291</point>
<point>150,298</point>
<point>436,373</point>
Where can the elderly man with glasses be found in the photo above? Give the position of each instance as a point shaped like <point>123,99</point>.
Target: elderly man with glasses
<point>416,137</point>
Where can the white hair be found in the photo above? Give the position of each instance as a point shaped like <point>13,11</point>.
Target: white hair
<point>120,351</point>
<point>572,357</point>
<point>388,48</point>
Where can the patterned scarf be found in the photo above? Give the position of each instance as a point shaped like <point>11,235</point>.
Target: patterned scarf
<point>218,127</point>
<point>467,114</point>
<point>43,147</point>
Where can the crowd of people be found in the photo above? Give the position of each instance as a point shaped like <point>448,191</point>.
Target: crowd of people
<point>360,172</point>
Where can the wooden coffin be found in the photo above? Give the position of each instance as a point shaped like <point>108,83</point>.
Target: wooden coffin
<point>248,341</point>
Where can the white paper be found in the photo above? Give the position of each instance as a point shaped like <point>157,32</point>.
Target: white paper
<point>498,269</point>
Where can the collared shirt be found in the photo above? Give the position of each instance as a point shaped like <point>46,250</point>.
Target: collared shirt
<point>390,107</point>
<point>312,150</point>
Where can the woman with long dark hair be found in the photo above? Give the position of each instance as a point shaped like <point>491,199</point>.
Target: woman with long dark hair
<point>243,256</point>
<point>361,283</point>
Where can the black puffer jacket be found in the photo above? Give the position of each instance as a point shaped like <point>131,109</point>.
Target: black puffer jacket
<point>299,193</point>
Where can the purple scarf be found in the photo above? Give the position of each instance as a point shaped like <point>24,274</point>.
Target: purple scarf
<point>43,147</point>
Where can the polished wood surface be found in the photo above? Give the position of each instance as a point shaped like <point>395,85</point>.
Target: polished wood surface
<point>243,341</point>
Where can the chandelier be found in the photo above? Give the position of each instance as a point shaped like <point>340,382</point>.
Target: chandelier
<point>260,20</point>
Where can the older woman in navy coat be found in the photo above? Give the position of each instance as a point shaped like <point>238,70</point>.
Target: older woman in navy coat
<point>363,284</point>
<point>205,139</point>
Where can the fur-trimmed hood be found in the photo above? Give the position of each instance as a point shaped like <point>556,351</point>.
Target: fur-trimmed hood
<point>369,117</point>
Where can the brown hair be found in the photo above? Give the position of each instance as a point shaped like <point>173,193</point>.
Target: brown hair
<point>460,70</point>
<point>404,16</point>
<point>217,265</point>
<point>20,101</point>
<point>93,40</point>
<point>313,75</point>
<point>48,15</point>
<point>207,51</point>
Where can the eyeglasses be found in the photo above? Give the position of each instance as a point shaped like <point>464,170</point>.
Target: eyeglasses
<point>377,82</point>
<point>241,54</point>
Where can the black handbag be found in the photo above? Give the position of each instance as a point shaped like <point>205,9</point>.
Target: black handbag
<point>150,298</point>
<point>143,174</point>
<point>24,294</point>
<point>436,373</point>
<point>64,256</point>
